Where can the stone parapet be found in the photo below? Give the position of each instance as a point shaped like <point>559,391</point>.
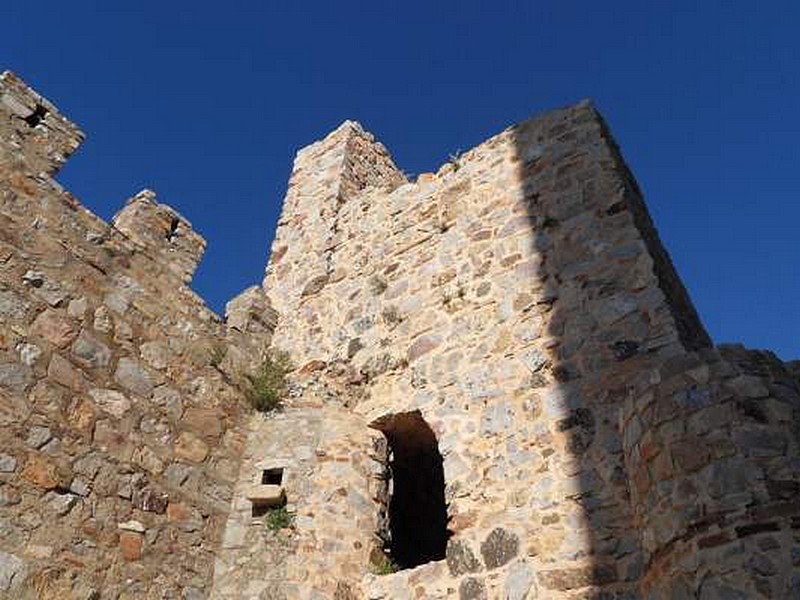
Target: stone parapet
<point>158,230</point>
<point>121,433</point>
<point>37,133</point>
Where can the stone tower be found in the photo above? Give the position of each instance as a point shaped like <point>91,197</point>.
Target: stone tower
<point>502,389</point>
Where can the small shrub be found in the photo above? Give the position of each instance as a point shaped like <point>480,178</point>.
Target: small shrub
<point>266,388</point>
<point>279,518</point>
<point>385,566</point>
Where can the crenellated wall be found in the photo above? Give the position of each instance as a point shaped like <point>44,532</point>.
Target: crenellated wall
<point>517,303</point>
<point>37,138</point>
<point>162,233</point>
<point>121,434</point>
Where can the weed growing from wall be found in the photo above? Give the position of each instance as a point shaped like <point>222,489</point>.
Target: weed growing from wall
<point>385,566</point>
<point>278,518</point>
<point>267,386</point>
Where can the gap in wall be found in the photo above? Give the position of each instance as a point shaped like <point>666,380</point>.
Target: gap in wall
<point>417,529</point>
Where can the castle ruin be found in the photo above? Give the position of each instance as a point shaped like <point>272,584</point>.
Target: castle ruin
<point>502,389</point>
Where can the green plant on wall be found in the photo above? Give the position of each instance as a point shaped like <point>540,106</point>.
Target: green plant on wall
<point>385,566</point>
<point>266,387</point>
<point>278,518</point>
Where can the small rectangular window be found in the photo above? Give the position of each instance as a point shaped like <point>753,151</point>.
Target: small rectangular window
<point>272,477</point>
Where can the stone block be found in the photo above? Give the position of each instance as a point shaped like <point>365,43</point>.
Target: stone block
<point>206,422</point>
<point>8,464</point>
<point>38,436</point>
<point>12,571</point>
<point>55,327</point>
<point>520,582</point>
<point>460,559</point>
<point>41,472</point>
<point>266,495</point>
<point>190,447</point>
<point>111,401</point>
<point>131,376</point>
<point>61,371</point>
<point>472,588</point>
<point>130,545</point>
<point>499,548</point>
<point>155,354</point>
<point>29,354</point>
<point>14,376</point>
<point>89,351</point>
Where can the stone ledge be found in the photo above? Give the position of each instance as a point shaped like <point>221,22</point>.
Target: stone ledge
<point>266,495</point>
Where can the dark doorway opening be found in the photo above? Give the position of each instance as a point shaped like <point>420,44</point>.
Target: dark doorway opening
<point>417,509</point>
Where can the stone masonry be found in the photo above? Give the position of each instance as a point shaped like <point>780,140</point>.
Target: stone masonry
<point>121,437</point>
<point>518,302</point>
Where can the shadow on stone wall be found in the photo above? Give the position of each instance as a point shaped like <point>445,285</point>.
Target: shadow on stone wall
<point>683,455</point>
<point>614,307</point>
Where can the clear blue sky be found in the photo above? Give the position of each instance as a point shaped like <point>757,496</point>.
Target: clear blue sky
<point>206,102</point>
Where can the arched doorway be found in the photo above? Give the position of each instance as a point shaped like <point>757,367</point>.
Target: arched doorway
<point>416,506</point>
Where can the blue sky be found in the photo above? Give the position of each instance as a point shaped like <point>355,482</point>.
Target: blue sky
<point>206,102</point>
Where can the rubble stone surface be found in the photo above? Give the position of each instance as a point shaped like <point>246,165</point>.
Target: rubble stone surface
<point>593,441</point>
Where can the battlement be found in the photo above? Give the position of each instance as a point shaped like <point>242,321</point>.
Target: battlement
<point>162,232</point>
<point>326,177</point>
<point>353,156</point>
<point>44,137</point>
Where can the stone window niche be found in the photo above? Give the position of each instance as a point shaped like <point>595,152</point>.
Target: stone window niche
<point>268,492</point>
<point>416,530</point>
<point>272,476</point>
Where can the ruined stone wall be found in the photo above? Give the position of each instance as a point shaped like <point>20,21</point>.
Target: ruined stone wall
<point>518,298</point>
<point>121,428</point>
<point>461,295</point>
<point>594,444</point>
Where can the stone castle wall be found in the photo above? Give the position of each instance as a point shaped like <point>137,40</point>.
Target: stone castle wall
<point>710,441</point>
<point>120,440</point>
<point>520,299</point>
<point>462,296</point>
<point>332,477</point>
<point>594,443</point>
